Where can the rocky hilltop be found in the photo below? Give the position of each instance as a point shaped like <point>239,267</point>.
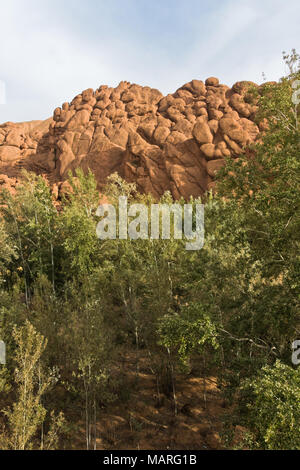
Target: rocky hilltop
<point>175,142</point>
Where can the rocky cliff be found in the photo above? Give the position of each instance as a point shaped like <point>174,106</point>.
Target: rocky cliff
<point>175,142</point>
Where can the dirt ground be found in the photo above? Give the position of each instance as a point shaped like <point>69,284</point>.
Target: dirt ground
<point>140,423</point>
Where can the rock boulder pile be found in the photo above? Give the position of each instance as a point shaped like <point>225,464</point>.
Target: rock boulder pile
<point>175,142</point>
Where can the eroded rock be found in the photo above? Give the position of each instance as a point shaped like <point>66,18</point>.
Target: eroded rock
<point>176,142</point>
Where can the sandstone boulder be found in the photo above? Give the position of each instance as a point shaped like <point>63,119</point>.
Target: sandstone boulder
<point>175,142</point>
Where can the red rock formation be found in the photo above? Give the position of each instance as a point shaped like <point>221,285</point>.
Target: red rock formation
<point>175,143</point>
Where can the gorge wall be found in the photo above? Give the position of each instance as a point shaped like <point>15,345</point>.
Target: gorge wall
<point>175,142</point>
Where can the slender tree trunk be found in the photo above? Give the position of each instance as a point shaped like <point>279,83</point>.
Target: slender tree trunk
<point>137,353</point>
<point>86,414</point>
<point>204,383</point>
<point>52,258</point>
<point>95,423</point>
<point>42,427</point>
<point>173,383</point>
<point>23,260</point>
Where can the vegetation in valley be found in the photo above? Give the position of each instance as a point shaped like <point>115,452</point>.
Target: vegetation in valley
<point>72,307</point>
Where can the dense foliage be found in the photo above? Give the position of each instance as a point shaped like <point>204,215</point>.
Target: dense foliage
<point>70,304</point>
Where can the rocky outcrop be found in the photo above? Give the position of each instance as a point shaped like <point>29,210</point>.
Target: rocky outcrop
<point>175,142</point>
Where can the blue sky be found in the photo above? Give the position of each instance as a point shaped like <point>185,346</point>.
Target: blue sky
<point>51,50</point>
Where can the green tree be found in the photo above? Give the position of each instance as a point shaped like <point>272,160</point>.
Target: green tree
<point>270,408</point>
<point>30,220</point>
<point>28,414</point>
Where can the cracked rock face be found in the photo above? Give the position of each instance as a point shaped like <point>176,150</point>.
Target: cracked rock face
<point>175,142</point>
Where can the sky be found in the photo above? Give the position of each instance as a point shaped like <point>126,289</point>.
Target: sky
<point>51,50</point>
